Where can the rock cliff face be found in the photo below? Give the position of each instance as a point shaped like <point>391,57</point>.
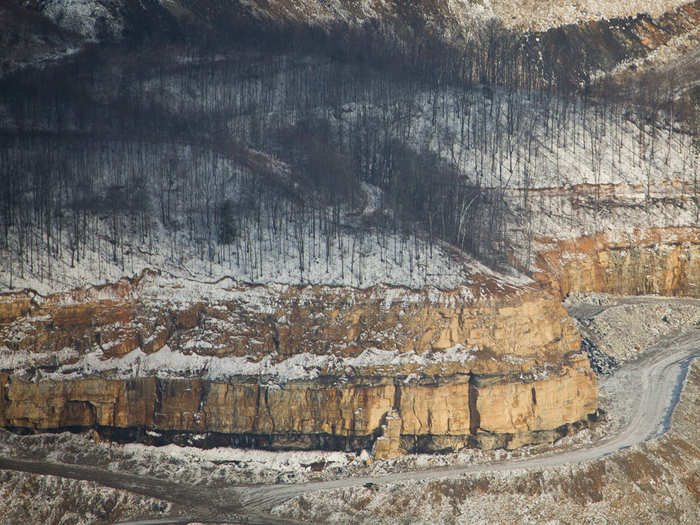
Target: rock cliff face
<point>492,364</point>
<point>521,323</point>
<point>346,322</point>
<point>430,414</point>
<point>489,365</point>
<point>664,261</point>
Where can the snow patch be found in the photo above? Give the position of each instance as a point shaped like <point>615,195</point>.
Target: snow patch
<point>167,363</point>
<point>89,18</point>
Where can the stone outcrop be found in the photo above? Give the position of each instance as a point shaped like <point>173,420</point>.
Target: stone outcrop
<point>496,321</point>
<point>426,414</point>
<point>526,408</point>
<point>388,444</point>
<point>14,306</point>
<point>517,379</point>
<point>509,368</point>
<point>664,261</point>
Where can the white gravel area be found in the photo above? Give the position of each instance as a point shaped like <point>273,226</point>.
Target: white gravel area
<point>626,327</point>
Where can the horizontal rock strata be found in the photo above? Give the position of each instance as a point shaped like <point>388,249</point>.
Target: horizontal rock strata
<point>664,261</point>
<point>456,411</point>
<point>317,320</point>
<point>492,364</point>
<point>496,365</point>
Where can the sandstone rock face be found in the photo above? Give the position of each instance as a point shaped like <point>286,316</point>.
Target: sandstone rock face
<point>13,306</point>
<point>521,323</point>
<point>388,445</point>
<point>299,413</point>
<point>85,403</point>
<point>664,261</point>
<point>435,409</point>
<point>519,407</point>
<point>495,397</point>
<point>477,356</point>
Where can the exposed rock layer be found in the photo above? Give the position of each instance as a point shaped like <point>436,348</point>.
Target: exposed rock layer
<point>450,413</point>
<point>664,261</point>
<point>524,324</point>
<point>515,349</point>
<point>522,382</point>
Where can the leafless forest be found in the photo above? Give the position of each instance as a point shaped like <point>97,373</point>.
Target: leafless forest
<point>316,140</point>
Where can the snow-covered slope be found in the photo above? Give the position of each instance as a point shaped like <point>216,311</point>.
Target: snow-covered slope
<point>96,19</point>
<point>565,167</point>
<point>29,39</point>
<point>92,19</point>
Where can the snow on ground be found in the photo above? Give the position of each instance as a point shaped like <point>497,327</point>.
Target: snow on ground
<point>373,198</point>
<point>591,169</point>
<point>662,57</point>
<point>652,482</point>
<point>10,360</point>
<point>224,465</point>
<point>621,216</point>
<point>227,466</point>
<point>534,15</point>
<point>168,363</point>
<point>629,328</point>
<point>30,498</point>
<point>647,181</point>
<point>540,15</point>
<point>623,327</point>
<point>473,495</point>
<point>360,262</point>
<point>566,169</point>
<point>270,251</point>
<point>528,139</point>
<point>583,144</point>
<point>89,18</point>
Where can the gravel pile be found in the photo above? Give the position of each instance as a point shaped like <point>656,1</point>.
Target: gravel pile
<point>621,328</point>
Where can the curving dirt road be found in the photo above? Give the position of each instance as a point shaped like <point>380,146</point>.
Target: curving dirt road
<point>659,376</point>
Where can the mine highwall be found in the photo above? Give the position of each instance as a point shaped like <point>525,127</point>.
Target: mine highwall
<point>435,413</point>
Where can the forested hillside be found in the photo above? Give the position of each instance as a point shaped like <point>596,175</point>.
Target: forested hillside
<point>343,156</point>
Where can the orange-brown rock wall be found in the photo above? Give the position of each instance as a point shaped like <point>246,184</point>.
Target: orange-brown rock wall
<point>664,261</point>
<point>82,403</point>
<point>503,331</point>
<point>435,409</point>
<point>300,408</point>
<point>526,323</point>
<point>518,407</point>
